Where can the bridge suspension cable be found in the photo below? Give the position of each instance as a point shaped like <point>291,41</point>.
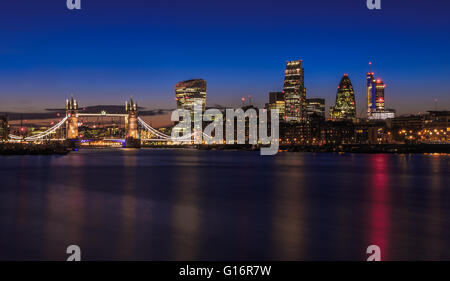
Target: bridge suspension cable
<point>48,132</point>
<point>153,130</point>
<point>165,137</point>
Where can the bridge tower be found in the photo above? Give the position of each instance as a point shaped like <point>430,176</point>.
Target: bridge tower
<point>72,119</point>
<point>132,137</point>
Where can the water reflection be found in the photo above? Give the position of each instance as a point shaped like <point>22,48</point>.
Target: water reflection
<point>64,204</point>
<point>379,206</point>
<point>186,216</point>
<point>127,237</point>
<point>436,205</point>
<point>290,207</point>
<point>181,204</point>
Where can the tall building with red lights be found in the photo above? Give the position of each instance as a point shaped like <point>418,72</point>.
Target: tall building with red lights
<point>376,109</point>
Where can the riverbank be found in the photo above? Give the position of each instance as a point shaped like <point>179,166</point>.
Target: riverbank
<point>34,149</point>
<point>64,148</point>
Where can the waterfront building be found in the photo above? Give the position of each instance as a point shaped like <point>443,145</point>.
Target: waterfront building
<point>438,117</point>
<point>295,133</point>
<point>406,128</point>
<point>345,107</point>
<point>372,132</point>
<point>338,132</point>
<point>436,127</point>
<point>433,127</point>
<point>294,91</point>
<point>276,101</point>
<point>315,106</point>
<point>190,93</point>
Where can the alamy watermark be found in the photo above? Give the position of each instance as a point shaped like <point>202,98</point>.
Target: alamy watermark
<point>374,4</point>
<point>76,4</point>
<point>237,124</point>
<point>73,4</point>
<point>74,252</point>
<point>375,253</point>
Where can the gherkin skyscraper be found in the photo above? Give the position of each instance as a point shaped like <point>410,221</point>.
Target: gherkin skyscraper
<point>345,107</point>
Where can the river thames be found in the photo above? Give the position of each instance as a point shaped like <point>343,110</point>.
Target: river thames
<point>162,204</point>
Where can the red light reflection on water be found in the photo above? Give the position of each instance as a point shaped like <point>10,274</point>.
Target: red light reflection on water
<point>379,208</point>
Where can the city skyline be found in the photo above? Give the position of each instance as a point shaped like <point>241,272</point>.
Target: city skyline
<point>247,100</point>
<point>43,63</point>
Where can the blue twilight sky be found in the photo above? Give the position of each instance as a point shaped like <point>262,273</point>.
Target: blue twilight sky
<point>112,49</point>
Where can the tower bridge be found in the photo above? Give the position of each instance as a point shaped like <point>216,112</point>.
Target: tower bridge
<point>134,126</point>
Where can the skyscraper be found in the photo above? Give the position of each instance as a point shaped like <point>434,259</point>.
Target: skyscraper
<point>345,107</point>
<point>190,93</point>
<point>276,101</point>
<point>315,106</point>
<point>370,92</point>
<point>375,93</point>
<point>379,95</point>
<point>294,91</point>
<point>376,109</point>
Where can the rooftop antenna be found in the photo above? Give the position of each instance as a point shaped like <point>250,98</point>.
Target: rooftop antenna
<point>435,104</point>
<point>370,67</point>
<point>249,99</point>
